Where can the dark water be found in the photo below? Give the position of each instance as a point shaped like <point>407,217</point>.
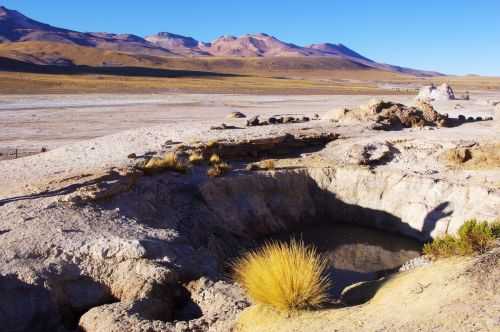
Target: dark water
<point>357,253</point>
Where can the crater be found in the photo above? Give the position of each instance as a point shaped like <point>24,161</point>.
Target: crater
<point>356,253</point>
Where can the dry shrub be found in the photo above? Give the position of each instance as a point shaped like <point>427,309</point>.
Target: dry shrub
<point>196,158</point>
<point>168,162</point>
<point>212,144</point>
<point>288,276</point>
<point>218,169</point>
<point>473,237</point>
<point>215,159</point>
<point>268,164</point>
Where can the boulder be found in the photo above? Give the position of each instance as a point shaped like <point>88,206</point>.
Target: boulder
<point>236,115</point>
<point>254,121</point>
<point>272,120</point>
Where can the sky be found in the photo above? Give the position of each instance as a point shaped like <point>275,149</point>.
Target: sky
<point>450,36</point>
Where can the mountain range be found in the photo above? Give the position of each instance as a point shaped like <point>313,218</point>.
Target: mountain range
<point>16,27</point>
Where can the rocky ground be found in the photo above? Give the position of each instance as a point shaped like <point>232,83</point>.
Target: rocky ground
<point>90,240</point>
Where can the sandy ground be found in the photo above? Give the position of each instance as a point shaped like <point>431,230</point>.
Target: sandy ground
<point>90,131</point>
<point>88,134</point>
<point>29,123</point>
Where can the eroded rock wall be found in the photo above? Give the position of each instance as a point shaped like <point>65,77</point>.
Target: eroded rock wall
<point>421,207</point>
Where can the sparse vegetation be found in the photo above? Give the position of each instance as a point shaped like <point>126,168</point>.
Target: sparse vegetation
<point>268,164</point>
<point>212,144</point>
<point>288,276</point>
<point>168,162</point>
<point>218,169</point>
<point>196,158</point>
<point>473,237</point>
<point>215,159</point>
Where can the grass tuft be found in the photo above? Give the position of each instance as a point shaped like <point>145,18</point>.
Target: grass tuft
<point>218,169</point>
<point>473,237</point>
<point>215,159</point>
<point>168,162</point>
<point>212,144</point>
<point>268,164</point>
<point>196,158</point>
<point>288,276</point>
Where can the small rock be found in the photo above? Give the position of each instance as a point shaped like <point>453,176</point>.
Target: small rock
<point>252,167</point>
<point>305,119</point>
<point>132,156</point>
<point>462,118</point>
<point>360,292</point>
<point>415,263</point>
<point>479,118</point>
<point>254,121</point>
<point>236,115</point>
<point>272,120</point>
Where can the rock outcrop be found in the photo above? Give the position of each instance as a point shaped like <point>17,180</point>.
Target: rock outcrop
<point>431,92</point>
<point>386,115</point>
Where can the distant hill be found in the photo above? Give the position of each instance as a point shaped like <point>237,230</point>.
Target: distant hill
<point>15,28</point>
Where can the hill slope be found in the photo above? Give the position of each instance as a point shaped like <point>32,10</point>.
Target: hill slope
<point>15,27</point>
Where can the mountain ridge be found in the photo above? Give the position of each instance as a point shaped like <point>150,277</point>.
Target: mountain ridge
<point>16,27</point>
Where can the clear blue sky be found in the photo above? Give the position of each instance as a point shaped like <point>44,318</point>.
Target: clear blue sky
<point>451,36</point>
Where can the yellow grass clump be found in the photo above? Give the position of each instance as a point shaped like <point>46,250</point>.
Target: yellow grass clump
<point>268,164</point>
<point>218,169</point>
<point>287,276</point>
<point>195,158</point>
<point>215,159</point>
<point>168,162</point>
<point>212,143</point>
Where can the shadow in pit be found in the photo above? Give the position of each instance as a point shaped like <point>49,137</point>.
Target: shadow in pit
<point>185,309</point>
<point>26,307</point>
<point>216,218</point>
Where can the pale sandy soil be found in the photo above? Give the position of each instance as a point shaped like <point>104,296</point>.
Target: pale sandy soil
<point>433,298</point>
<point>145,228</point>
<point>88,131</point>
<point>31,122</point>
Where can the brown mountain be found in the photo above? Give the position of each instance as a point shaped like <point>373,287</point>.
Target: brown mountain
<point>256,45</point>
<point>15,27</point>
<point>178,44</point>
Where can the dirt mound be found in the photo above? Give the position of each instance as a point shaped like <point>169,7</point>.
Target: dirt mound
<point>473,157</point>
<point>387,115</point>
